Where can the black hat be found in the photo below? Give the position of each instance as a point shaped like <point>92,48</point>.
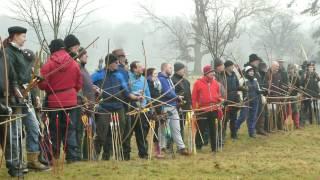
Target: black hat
<point>217,63</point>
<point>56,45</point>
<point>228,63</point>
<point>178,66</point>
<point>71,40</point>
<point>28,55</point>
<point>254,57</point>
<point>16,29</point>
<point>311,63</point>
<point>110,58</point>
<point>262,66</point>
<point>305,63</point>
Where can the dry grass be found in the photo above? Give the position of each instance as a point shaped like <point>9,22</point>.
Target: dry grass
<point>283,155</point>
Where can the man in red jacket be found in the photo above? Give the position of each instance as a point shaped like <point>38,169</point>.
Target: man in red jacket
<point>62,81</point>
<point>206,100</point>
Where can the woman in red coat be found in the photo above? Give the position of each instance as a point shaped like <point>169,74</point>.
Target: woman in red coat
<point>206,98</point>
<point>62,81</point>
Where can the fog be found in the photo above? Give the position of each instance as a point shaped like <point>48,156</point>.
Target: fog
<point>125,24</point>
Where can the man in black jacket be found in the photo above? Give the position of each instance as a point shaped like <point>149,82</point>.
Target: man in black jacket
<point>310,86</point>
<point>183,90</point>
<point>232,87</point>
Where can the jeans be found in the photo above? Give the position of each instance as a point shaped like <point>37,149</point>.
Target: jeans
<point>31,125</point>
<point>173,121</point>
<point>249,114</point>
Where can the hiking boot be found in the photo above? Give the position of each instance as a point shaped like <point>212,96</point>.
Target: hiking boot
<point>24,168</point>
<point>126,157</point>
<point>15,173</point>
<point>34,163</point>
<point>234,136</point>
<point>43,160</point>
<point>145,156</point>
<point>252,135</point>
<point>184,152</point>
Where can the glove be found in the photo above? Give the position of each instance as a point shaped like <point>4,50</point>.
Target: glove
<point>244,89</point>
<point>38,78</point>
<point>5,110</point>
<point>263,92</point>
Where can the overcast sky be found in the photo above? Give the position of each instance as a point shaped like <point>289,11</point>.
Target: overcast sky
<point>128,10</point>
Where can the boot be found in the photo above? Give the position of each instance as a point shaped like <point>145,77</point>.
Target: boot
<point>296,119</point>
<point>15,173</point>
<point>33,162</point>
<point>25,169</point>
<point>261,132</point>
<point>184,152</point>
<point>157,150</point>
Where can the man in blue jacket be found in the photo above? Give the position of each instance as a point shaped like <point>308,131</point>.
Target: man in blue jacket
<point>139,122</point>
<point>170,99</point>
<point>115,92</point>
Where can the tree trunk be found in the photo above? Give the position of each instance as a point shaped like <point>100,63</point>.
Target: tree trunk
<point>197,58</point>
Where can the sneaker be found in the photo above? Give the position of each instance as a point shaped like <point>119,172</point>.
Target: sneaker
<point>160,156</point>
<point>184,152</point>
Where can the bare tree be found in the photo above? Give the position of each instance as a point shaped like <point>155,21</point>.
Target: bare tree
<point>184,35</point>
<point>312,8</point>
<point>222,20</point>
<point>279,33</point>
<point>214,25</point>
<point>53,18</point>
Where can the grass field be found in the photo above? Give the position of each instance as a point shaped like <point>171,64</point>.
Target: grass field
<point>282,155</point>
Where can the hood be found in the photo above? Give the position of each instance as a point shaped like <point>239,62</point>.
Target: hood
<point>60,57</point>
<point>205,80</point>
<point>163,75</point>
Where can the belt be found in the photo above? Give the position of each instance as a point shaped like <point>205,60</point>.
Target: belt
<point>59,91</point>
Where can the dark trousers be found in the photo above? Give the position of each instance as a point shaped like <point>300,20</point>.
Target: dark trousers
<point>103,139</point>
<point>265,113</point>
<point>230,116</point>
<point>79,128</point>
<point>261,117</point>
<point>65,132</point>
<point>182,123</point>
<point>207,119</point>
<point>306,112</point>
<point>89,131</point>
<point>13,151</point>
<point>140,127</point>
